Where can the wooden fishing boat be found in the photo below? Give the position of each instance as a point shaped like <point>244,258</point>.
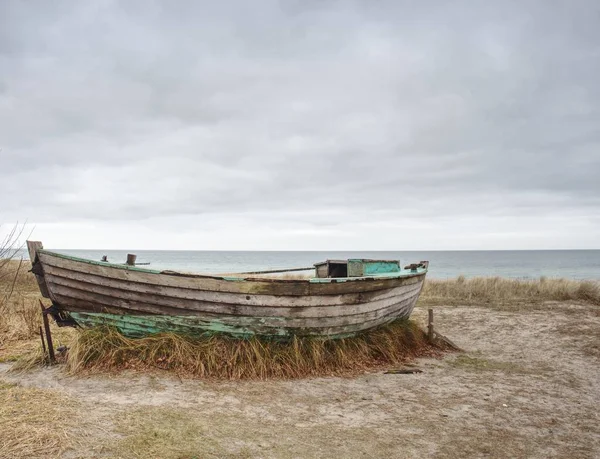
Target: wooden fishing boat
<point>344,298</point>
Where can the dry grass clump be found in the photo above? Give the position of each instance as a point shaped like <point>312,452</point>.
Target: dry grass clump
<point>27,310</point>
<point>222,357</point>
<point>20,316</point>
<point>35,423</point>
<point>15,277</point>
<point>480,290</point>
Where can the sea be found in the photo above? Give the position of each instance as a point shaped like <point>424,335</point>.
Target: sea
<point>522,264</point>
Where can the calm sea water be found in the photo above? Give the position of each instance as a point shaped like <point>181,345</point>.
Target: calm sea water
<point>574,264</point>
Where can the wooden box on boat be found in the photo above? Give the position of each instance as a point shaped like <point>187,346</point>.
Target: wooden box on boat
<point>356,267</point>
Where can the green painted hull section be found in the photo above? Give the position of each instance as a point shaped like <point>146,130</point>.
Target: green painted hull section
<point>137,326</point>
<point>373,269</point>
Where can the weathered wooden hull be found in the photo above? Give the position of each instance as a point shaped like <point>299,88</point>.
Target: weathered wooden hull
<point>142,301</point>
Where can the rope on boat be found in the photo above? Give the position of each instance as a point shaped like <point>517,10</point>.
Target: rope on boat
<point>273,271</point>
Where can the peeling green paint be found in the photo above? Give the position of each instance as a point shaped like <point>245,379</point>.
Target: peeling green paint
<point>138,326</point>
<point>380,275</point>
<point>143,325</point>
<point>380,267</point>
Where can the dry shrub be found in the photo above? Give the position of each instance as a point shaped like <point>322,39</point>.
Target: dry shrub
<point>8,275</point>
<point>222,357</point>
<point>20,318</point>
<point>30,314</point>
<point>11,274</point>
<point>4,325</point>
<point>479,290</point>
<point>20,314</point>
<point>15,277</point>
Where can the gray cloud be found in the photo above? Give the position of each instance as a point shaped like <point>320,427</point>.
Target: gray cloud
<point>315,115</point>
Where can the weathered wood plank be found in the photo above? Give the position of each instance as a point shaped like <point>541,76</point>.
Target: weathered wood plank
<point>232,308</point>
<point>229,298</point>
<point>70,296</point>
<point>33,247</point>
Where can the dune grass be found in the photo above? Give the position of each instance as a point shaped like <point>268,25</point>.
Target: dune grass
<point>222,357</point>
<point>499,290</point>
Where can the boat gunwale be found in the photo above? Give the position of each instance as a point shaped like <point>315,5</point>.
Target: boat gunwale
<point>233,278</point>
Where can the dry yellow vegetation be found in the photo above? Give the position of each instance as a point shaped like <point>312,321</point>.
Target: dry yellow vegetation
<point>498,290</point>
<point>222,357</point>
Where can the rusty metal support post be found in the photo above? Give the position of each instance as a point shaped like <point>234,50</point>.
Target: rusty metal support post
<point>430,325</point>
<point>43,343</point>
<point>131,259</point>
<point>48,334</point>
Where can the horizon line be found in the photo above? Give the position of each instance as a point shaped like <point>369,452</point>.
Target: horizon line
<point>333,250</point>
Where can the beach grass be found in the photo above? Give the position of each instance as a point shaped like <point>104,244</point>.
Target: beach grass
<point>499,290</point>
<point>223,357</point>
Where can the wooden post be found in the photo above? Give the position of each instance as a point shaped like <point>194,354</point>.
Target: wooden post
<point>48,334</point>
<point>131,259</point>
<point>430,325</point>
<point>32,248</point>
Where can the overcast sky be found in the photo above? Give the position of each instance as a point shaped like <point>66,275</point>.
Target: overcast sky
<point>391,125</point>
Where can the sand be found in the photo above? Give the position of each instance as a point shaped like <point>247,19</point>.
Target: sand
<point>527,385</point>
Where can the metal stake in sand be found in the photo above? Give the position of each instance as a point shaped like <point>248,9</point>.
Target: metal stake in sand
<point>48,334</point>
<point>43,343</point>
<point>430,325</point>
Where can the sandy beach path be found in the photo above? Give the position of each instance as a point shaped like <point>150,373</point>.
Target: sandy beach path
<point>527,385</point>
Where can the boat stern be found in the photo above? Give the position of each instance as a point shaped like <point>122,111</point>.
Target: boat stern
<point>36,267</point>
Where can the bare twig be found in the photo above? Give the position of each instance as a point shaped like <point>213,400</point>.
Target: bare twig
<point>14,281</point>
